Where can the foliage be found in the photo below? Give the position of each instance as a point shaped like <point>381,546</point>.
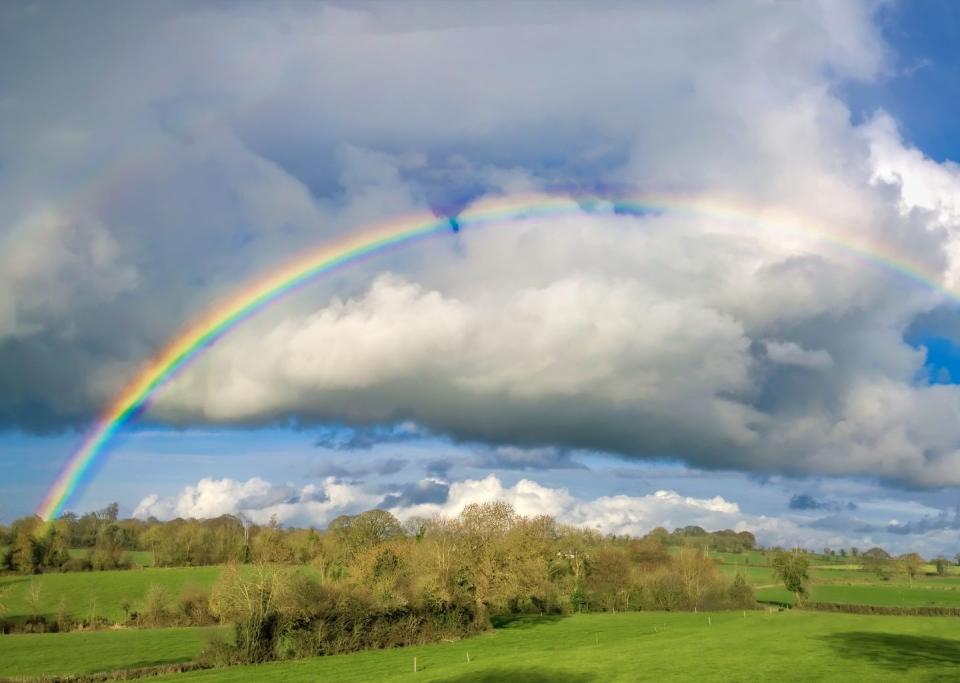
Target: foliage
<point>793,570</point>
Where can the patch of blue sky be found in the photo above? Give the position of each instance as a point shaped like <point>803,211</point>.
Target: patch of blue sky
<point>922,90</point>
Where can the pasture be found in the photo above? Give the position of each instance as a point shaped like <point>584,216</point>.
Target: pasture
<point>94,651</point>
<point>653,646</point>
<point>101,594</point>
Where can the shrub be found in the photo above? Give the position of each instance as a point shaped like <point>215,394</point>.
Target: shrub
<point>740,593</point>
<point>193,606</point>
<point>156,607</point>
<point>77,564</point>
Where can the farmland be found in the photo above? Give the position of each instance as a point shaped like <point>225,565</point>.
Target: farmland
<point>102,594</point>
<point>783,646</point>
<point>60,653</point>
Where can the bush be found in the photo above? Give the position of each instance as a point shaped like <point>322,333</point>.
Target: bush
<point>156,607</point>
<point>891,610</point>
<point>740,593</point>
<point>77,564</point>
<point>193,606</point>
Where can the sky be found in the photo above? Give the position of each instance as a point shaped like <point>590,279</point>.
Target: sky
<point>619,370</point>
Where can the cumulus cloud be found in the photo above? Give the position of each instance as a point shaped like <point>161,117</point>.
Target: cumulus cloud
<point>744,343</point>
<point>620,514</point>
<point>259,501</point>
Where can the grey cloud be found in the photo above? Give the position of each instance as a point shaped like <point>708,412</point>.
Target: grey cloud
<point>844,523</point>
<point>804,501</point>
<point>438,468</point>
<point>381,468</point>
<point>419,493</point>
<point>364,438</point>
<point>512,458</point>
<point>647,335</point>
<point>943,521</point>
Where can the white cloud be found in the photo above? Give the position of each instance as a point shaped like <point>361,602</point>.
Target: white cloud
<point>259,501</point>
<point>621,514</point>
<point>789,353</point>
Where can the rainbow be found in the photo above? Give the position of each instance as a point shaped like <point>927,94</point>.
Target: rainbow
<point>258,295</point>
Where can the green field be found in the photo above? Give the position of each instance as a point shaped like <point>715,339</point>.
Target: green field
<point>922,594</point>
<point>95,593</point>
<point>61,653</point>
<point>763,646</point>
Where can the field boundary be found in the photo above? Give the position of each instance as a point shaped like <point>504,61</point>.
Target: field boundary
<point>116,675</point>
<point>882,610</point>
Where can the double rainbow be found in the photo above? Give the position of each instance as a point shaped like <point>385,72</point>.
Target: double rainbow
<point>402,232</point>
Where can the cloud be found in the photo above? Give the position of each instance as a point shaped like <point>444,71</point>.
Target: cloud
<point>382,468</point>
<point>259,501</point>
<point>365,438</point>
<point>789,353</point>
<point>617,514</point>
<point>438,469</point>
<point>804,501</point>
<point>512,458</point>
<point>427,491</point>
<point>140,187</point>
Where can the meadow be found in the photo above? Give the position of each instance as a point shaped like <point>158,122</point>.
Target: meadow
<point>101,594</point>
<point>95,651</point>
<point>763,645</point>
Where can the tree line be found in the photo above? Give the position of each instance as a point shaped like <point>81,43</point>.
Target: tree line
<point>370,581</point>
<point>101,541</point>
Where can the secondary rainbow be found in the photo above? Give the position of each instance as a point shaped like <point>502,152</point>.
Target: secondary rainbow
<point>405,231</point>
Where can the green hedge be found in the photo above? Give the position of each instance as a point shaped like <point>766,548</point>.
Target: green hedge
<point>889,610</point>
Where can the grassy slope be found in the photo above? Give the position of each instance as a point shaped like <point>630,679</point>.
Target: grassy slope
<point>59,653</point>
<point>840,581</point>
<point>921,594</point>
<point>778,646</point>
<point>103,592</point>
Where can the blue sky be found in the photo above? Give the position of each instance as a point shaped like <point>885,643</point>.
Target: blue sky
<point>619,371</point>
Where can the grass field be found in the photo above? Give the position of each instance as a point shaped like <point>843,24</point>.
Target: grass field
<point>921,594</point>
<point>99,593</point>
<point>62,653</point>
<point>763,646</point>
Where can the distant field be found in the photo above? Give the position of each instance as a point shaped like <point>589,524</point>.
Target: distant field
<point>926,593</point>
<point>756,574</point>
<point>64,653</point>
<point>595,648</point>
<point>747,557</point>
<point>99,593</point>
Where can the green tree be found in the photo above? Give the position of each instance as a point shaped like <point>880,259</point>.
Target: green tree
<point>27,553</point>
<point>792,569</point>
<point>912,565</point>
<point>741,592</point>
<point>53,547</point>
